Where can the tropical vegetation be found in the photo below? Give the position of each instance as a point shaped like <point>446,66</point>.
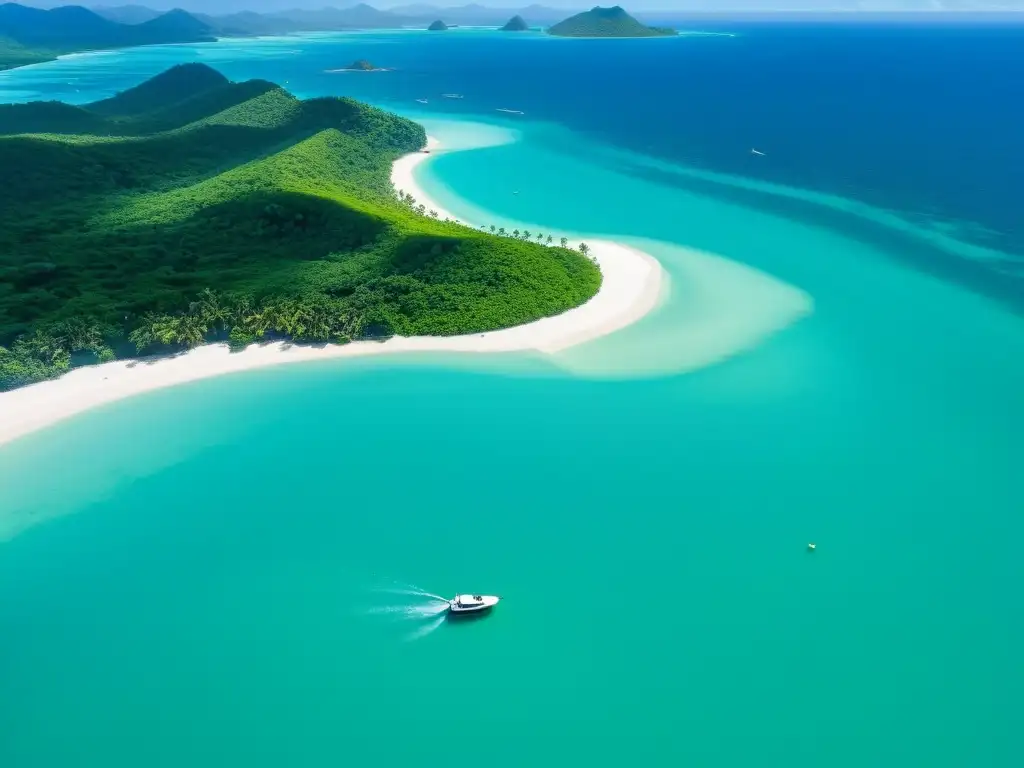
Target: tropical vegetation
<point>14,54</point>
<point>191,209</point>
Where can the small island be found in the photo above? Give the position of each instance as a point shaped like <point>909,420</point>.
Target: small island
<point>361,65</point>
<point>606,22</point>
<point>437,26</point>
<point>516,24</point>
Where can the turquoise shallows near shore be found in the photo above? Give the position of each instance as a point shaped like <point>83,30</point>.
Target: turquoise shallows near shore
<point>239,571</point>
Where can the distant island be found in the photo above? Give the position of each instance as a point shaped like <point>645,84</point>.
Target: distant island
<point>31,35</point>
<point>437,26</point>
<point>516,24</point>
<point>360,65</point>
<point>606,22</point>
<point>191,209</point>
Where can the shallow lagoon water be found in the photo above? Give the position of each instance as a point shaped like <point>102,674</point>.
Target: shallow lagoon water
<point>221,569</point>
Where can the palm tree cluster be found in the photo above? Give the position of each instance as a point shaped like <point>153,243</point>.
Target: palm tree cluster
<point>408,200</point>
<point>309,318</point>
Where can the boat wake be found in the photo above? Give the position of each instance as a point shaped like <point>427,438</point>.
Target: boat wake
<point>427,628</point>
<point>411,591</point>
<point>421,611</point>
<point>425,611</point>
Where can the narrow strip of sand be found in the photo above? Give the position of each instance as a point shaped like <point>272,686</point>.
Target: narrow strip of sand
<point>630,288</point>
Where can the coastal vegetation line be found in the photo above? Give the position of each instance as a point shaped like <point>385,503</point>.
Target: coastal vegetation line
<point>191,209</point>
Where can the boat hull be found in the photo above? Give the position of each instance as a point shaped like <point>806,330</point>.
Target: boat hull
<point>468,613</point>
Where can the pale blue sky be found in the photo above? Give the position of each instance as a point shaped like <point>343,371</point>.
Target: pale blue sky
<point>213,6</point>
<point>723,5</point>
<point>714,5</point>
<point>681,6</point>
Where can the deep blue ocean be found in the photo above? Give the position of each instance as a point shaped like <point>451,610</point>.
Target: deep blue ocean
<point>237,571</point>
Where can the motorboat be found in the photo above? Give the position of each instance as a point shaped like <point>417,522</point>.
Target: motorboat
<point>452,96</point>
<point>466,604</point>
<point>422,101</point>
<point>510,111</point>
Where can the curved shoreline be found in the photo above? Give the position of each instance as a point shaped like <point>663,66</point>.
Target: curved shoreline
<point>630,288</point>
<point>631,283</point>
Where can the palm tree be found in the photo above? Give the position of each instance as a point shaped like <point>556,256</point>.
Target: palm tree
<point>144,336</point>
<point>584,248</point>
<point>515,233</point>
<point>540,237</point>
<point>210,308</point>
<point>492,229</point>
<point>259,320</point>
<point>564,242</point>
<point>526,235</point>
<point>433,214</point>
<point>421,208</point>
<point>501,231</point>
<point>549,240</point>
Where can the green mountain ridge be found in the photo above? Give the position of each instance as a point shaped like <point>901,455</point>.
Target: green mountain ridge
<point>166,217</point>
<point>181,82</point>
<point>29,35</point>
<point>606,22</point>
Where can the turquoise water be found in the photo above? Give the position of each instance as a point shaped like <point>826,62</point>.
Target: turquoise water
<point>214,574</point>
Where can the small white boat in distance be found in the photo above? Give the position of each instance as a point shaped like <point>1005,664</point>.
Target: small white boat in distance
<point>463,604</point>
<point>422,101</point>
<point>452,96</point>
<point>510,111</point>
<point>756,152</point>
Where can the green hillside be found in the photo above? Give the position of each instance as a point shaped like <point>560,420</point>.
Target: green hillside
<point>13,54</point>
<point>606,22</point>
<point>238,212</point>
<point>176,84</point>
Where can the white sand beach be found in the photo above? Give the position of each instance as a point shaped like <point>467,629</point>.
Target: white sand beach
<point>631,287</point>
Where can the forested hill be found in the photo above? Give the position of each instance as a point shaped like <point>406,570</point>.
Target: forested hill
<point>32,34</point>
<point>606,22</point>
<point>191,208</point>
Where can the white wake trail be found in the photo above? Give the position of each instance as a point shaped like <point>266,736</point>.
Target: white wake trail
<point>411,590</point>
<point>426,629</point>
